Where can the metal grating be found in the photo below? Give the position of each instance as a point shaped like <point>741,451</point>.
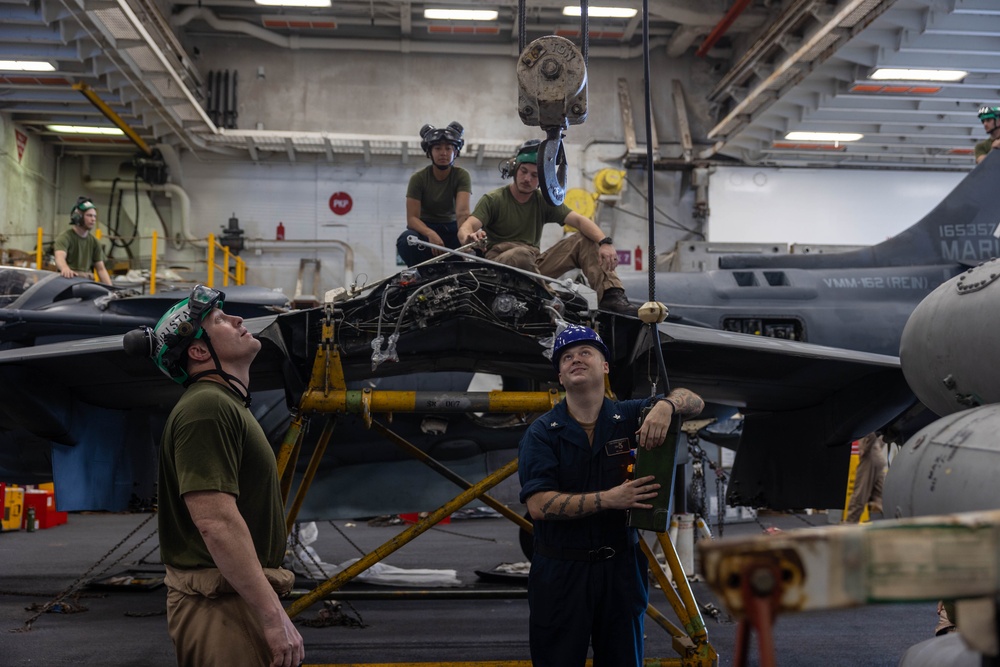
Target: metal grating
<point>145,59</point>
<point>828,40</point>
<point>116,23</point>
<point>862,12</point>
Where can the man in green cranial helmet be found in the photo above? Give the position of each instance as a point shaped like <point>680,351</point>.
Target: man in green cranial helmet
<point>77,251</point>
<point>221,518</point>
<point>510,220</point>
<point>990,118</point>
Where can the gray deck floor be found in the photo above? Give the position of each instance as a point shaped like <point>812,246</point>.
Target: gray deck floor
<point>129,628</point>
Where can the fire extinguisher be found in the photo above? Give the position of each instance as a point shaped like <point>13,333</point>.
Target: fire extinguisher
<point>281,231</point>
<point>638,258</point>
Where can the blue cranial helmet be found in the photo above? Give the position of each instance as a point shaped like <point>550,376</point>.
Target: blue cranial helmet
<point>574,334</point>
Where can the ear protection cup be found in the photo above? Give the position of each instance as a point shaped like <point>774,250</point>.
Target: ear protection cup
<point>83,204</point>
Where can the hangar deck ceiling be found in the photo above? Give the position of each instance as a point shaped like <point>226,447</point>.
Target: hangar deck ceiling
<point>787,65</point>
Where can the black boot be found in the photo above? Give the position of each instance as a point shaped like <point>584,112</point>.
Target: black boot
<point>615,301</point>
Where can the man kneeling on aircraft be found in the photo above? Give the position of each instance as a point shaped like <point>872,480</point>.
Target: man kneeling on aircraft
<point>588,582</point>
<point>221,520</point>
<point>510,220</point>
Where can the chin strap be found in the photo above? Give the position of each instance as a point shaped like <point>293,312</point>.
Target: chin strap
<point>234,384</point>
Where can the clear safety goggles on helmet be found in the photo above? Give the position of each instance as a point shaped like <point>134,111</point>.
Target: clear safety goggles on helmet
<point>204,299</point>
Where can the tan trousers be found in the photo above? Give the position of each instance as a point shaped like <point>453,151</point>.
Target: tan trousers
<point>210,624</point>
<point>575,251</point>
<point>868,479</point>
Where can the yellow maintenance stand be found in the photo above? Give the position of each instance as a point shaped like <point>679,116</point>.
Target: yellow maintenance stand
<point>327,394</point>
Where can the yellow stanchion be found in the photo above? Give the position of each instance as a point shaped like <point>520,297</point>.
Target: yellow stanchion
<point>225,266</point>
<point>210,279</point>
<point>38,250</point>
<point>152,265</point>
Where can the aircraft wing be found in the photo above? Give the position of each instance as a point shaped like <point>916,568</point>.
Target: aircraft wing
<point>802,403</point>
<point>96,371</point>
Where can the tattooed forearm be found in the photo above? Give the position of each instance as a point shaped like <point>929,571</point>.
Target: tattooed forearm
<point>560,513</point>
<point>583,507</point>
<point>688,403</point>
<point>565,504</point>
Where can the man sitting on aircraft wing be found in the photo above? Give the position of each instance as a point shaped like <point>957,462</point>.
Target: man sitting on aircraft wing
<point>510,220</point>
<point>437,197</point>
<point>221,518</point>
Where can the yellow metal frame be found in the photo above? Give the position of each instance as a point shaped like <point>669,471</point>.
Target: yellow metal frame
<point>238,272</point>
<point>110,114</point>
<point>327,394</point>
<point>232,266</point>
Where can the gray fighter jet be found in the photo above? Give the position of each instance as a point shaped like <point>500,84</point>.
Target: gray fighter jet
<point>858,300</point>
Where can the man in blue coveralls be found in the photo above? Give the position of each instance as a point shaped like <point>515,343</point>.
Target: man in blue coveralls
<point>588,580</point>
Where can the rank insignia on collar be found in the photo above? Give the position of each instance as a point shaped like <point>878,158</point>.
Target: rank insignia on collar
<point>554,424</point>
<point>617,417</point>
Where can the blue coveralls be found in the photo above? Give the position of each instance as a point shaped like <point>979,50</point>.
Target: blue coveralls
<point>576,602</point>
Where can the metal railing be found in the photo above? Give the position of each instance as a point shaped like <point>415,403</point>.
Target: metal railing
<point>232,267</point>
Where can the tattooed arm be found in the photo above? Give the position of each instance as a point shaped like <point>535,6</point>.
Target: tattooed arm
<point>688,403</point>
<point>555,505</point>
<point>656,425</point>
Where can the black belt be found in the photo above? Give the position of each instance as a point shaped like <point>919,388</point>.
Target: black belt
<point>585,555</point>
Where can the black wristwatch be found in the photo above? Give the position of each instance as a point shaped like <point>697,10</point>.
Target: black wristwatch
<point>606,241</point>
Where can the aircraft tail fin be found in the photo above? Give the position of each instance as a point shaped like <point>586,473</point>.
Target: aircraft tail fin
<point>959,230</point>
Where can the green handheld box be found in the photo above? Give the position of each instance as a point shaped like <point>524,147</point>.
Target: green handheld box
<point>658,462</point>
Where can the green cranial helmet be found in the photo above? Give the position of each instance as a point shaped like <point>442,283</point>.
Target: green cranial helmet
<point>83,204</point>
<point>527,152</point>
<point>167,342</point>
<point>986,113</point>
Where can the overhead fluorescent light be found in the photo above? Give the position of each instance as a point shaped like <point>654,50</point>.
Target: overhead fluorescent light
<point>85,129</point>
<point>884,73</point>
<point>603,12</point>
<point>823,136</point>
<point>26,66</point>
<point>293,3</point>
<point>461,14</point>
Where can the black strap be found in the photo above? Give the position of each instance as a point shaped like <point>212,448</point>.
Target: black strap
<point>583,555</point>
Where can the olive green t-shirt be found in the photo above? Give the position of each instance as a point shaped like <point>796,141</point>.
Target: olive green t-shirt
<point>81,253</point>
<point>983,147</point>
<point>506,219</point>
<point>211,442</point>
<point>437,198</point>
